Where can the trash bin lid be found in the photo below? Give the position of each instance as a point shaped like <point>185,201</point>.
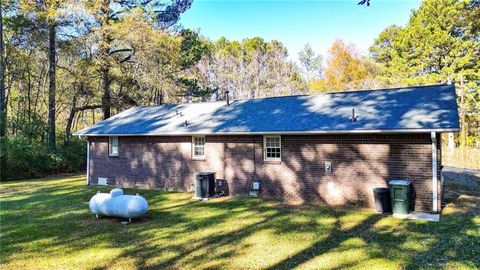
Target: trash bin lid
<point>399,182</point>
<point>205,173</point>
<point>381,190</point>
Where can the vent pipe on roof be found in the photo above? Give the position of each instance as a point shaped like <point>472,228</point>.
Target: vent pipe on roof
<point>354,117</point>
<point>227,97</point>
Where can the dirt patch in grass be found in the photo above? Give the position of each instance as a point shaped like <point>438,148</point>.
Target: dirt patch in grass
<point>464,204</point>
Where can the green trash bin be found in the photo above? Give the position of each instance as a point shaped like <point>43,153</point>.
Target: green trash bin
<point>400,196</point>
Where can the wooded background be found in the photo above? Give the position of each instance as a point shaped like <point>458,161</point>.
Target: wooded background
<point>67,64</point>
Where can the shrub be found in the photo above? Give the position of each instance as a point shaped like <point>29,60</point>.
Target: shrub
<point>73,156</point>
<point>22,158</point>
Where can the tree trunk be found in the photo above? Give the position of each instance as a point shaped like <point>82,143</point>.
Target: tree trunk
<point>51,86</point>
<point>104,62</point>
<point>29,96</point>
<point>68,129</point>
<point>3,103</point>
<point>73,113</point>
<point>106,100</point>
<point>3,113</point>
<point>451,142</point>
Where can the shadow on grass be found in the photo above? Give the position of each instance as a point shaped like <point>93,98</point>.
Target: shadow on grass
<point>46,220</point>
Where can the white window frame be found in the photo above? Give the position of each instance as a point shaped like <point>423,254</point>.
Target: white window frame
<point>194,146</point>
<point>111,145</point>
<point>265,148</point>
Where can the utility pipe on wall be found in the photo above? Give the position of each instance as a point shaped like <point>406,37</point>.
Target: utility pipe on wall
<point>434,173</point>
<point>88,162</point>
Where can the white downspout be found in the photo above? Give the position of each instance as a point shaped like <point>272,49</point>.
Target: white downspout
<point>434,172</point>
<point>88,162</point>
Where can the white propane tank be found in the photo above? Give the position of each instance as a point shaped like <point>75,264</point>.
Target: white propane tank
<point>115,204</point>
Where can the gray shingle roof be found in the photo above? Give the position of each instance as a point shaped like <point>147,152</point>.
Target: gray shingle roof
<point>411,109</point>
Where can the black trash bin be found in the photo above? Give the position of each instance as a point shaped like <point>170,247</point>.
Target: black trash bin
<point>382,200</point>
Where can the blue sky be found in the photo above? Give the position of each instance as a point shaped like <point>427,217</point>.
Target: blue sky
<point>295,23</point>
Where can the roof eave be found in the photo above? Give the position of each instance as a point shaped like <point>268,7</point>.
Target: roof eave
<point>370,131</point>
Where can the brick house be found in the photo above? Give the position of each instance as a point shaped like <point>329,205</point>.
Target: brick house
<point>331,148</point>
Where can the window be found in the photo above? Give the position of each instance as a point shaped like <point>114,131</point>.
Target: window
<point>113,146</point>
<point>272,148</point>
<point>198,147</point>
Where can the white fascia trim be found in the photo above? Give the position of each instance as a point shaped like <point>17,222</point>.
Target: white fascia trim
<point>370,131</point>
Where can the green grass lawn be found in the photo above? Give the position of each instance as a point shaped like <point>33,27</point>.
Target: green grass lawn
<point>46,224</point>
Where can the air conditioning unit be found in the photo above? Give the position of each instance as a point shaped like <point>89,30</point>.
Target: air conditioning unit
<point>205,185</point>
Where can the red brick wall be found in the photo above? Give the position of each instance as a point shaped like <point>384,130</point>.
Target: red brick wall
<point>359,163</point>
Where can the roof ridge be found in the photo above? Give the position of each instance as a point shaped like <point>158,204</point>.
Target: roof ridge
<point>349,91</point>
<point>300,95</point>
<point>177,104</point>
